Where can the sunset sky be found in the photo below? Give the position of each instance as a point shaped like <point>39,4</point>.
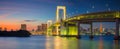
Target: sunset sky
<point>13,13</point>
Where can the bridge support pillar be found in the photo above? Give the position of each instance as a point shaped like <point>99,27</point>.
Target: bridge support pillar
<point>78,27</point>
<point>91,34</point>
<point>57,30</point>
<point>116,37</point>
<point>67,27</point>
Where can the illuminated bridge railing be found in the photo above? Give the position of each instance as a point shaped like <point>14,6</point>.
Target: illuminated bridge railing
<point>95,16</point>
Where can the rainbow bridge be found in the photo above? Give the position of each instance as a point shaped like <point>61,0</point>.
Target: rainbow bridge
<point>71,26</point>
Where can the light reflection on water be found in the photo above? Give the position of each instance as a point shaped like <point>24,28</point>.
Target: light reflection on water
<point>73,43</point>
<point>42,42</point>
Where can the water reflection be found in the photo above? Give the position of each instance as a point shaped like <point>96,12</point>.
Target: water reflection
<point>116,44</point>
<point>50,42</point>
<point>100,43</point>
<point>63,43</point>
<point>74,43</point>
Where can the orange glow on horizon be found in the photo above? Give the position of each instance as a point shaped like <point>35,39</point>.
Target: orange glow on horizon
<point>15,27</point>
<point>10,27</point>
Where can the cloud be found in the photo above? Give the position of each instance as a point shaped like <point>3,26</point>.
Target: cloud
<point>30,20</point>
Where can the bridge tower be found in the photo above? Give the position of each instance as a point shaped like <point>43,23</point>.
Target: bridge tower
<point>58,17</point>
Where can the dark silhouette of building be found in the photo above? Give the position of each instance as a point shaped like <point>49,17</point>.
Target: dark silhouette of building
<point>39,28</point>
<point>20,33</point>
<point>5,29</point>
<point>11,29</point>
<point>0,29</point>
<point>44,28</point>
<point>23,27</point>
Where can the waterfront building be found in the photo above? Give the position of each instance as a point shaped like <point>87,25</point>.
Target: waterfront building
<point>44,28</point>
<point>23,27</point>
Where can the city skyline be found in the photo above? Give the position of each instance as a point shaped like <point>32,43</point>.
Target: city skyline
<point>13,13</point>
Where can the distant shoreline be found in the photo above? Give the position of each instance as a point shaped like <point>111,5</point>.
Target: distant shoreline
<point>20,33</point>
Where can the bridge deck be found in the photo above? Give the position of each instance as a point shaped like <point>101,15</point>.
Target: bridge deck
<point>95,17</point>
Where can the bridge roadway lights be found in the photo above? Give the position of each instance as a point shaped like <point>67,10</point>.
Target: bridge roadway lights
<point>99,17</point>
<point>117,37</point>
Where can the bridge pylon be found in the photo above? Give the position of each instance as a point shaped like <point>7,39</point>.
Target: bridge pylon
<point>58,18</point>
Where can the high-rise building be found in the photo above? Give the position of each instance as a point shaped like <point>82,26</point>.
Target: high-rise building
<point>44,28</point>
<point>101,28</point>
<point>23,27</point>
<point>39,28</point>
<point>49,23</point>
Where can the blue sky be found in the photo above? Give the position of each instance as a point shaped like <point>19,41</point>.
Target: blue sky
<point>35,12</point>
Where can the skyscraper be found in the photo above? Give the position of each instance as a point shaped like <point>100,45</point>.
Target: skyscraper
<point>101,28</point>
<point>49,23</point>
<point>39,28</point>
<point>23,27</point>
<point>44,28</point>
